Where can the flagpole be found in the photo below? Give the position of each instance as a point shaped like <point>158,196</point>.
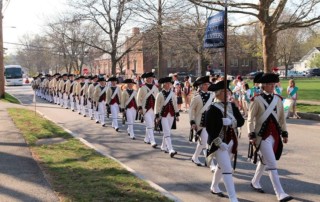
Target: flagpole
<point>225,55</point>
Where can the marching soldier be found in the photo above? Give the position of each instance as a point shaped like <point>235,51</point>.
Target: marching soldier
<point>54,86</point>
<point>222,145</point>
<point>80,95</point>
<point>199,105</point>
<point>267,133</point>
<point>91,104</point>
<point>58,89</point>
<point>86,107</point>
<point>146,100</point>
<point>167,113</point>
<point>69,91</point>
<point>76,87</point>
<point>63,93</point>
<point>129,105</point>
<point>113,101</point>
<point>99,97</point>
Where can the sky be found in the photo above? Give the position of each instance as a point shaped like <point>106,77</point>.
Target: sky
<point>27,17</point>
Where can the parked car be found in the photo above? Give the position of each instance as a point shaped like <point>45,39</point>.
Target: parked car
<point>251,75</point>
<point>292,74</point>
<point>313,72</point>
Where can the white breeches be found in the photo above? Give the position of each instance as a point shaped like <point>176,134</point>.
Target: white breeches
<point>166,123</point>
<point>102,112</point>
<point>149,121</point>
<point>114,115</point>
<point>131,116</point>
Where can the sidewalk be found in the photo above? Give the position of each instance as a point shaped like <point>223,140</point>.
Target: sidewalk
<point>21,179</point>
<point>310,102</point>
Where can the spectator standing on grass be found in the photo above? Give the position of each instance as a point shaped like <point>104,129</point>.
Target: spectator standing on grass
<point>292,92</point>
<point>187,93</point>
<point>246,96</point>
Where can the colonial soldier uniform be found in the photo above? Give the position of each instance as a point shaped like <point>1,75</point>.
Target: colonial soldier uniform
<point>222,145</point>
<point>54,84</point>
<point>267,129</point>
<point>129,105</point>
<point>63,94</point>
<point>167,112</point>
<point>146,100</point>
<point>80,95</point>
<point>198,107</point>
<point>113,101</point>
<point>76,91</point>
<point>99,97</point>
<point>37,84</point>
<point>85,96</point>
<point>45,86</point>
<point>52,88</point>
<point>69,91</point>
<point>92,113</point>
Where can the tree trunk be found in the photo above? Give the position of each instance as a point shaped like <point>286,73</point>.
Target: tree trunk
<point>269,41</point>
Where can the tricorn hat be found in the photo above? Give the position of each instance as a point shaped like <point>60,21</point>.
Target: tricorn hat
<point>101,79</point>
<point>219,86</point>
<point>165,80</point>
<point>70,75</point>
<point>257,77</point>
<point>129,81</point>
<point>147,75</point>
<point>113,79</point>
<point>64,74</point>
<point>81,77</point>
<point>269,78</point>
<point>202,80</point>
<point>94,77</point>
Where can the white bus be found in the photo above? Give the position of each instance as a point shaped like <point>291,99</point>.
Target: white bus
<point>13,75</point>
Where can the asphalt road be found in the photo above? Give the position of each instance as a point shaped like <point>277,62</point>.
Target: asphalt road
<point>298,167</point>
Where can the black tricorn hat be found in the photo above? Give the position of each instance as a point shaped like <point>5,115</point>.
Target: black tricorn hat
<point>70,75</point>
<point>202,80</point>
<point>165,80</point>
<point>113,79</point>
<point>47,75</point>
<point>81,77</point>
<point>147,75</point>
<point>101,79</point>
<point>129,81</point>
<point>269,78</point>
<point>94,77</point>
<point>64,74</point>
<point>257,77</point>
<point>219,86</point>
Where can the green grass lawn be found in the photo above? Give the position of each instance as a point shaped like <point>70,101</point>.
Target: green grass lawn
<point>306,108</point>
<point>76,172</point>
<point>9,98</point>
<point>309,89</point>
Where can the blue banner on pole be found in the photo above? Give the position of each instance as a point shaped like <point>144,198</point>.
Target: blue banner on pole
<point>214,36</point>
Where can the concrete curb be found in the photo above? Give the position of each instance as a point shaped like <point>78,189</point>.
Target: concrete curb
<point>309,116</point>
<point>152,184</point>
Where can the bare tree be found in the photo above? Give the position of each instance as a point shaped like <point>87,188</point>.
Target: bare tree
<point>109,16</point>
<point>68,38</point>
<point>268,13</point>
<point>158,16</point>
<point>35,53</point>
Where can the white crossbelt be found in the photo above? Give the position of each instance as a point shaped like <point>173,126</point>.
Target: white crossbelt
<point>130,98</point>
<point>269,109</point>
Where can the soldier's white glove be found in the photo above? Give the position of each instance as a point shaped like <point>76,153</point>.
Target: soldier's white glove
<point>223,146</point>
<point>226,121</point>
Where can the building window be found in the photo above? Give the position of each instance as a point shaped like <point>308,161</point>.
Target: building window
<point>234,62</point>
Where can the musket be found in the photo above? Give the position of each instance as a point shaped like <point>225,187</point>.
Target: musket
<point>157,125</point>
<point>235,160</point>
<point>191,134</point>
<point>108,110</point>
<point>124,117</point>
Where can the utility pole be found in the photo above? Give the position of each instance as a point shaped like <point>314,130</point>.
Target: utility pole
<point>2,91</point>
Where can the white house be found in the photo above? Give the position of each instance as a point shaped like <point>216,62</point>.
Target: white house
<point>303,64</point>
